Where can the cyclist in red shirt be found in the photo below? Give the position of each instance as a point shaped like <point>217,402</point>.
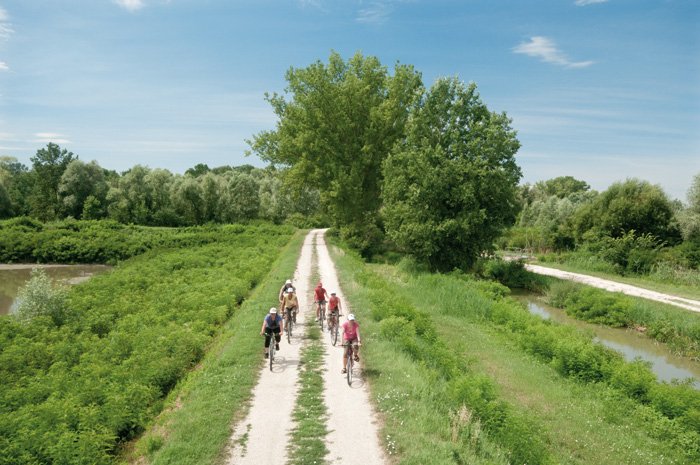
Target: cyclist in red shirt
<point>320,296</point>
<point>334,309</point>
<point>351,335</point>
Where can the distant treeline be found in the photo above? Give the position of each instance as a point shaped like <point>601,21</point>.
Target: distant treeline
<point>630,228</point>
<point>59,185</point>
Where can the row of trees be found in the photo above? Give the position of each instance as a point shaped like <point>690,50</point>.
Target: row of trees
<point>631,217</point>
<point>59,185</point>
<point>378,154</point>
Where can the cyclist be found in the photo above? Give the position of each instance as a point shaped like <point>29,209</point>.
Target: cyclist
<point>272,324</point>
<point>320,295</point>
<point>334,309</point>
<point>351,335</point>
<point>290,304</point>
<point>283,290</point>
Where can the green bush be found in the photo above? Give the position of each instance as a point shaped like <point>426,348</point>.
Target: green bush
<point>72,393</point>
<point>512,274</point>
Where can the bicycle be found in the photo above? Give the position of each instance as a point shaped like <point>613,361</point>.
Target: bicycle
<point>334,327</point>
<point>321,313</point>
<point>288,324</point>
<point>350,360</point>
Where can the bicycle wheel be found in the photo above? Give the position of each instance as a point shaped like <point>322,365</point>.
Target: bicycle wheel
<point>288,328</point>
<point>334,331</point>
<point>348,365</point>
<point>272,349</point>
<point>322,316</point>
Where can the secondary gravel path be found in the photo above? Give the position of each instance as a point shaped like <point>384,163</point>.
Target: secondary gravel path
<point>688,304</point>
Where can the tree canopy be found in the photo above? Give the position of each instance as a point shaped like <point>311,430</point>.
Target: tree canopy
<point>337,123</point>
<point>451,186</point>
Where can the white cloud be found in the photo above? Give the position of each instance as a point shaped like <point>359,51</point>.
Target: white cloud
<point>131,5</point>
<point>5,27</point>
<point>47,137</point>
<point>3,66</point>
<point>588,2</point>
<point>546,50</point>
<point>377,13</point>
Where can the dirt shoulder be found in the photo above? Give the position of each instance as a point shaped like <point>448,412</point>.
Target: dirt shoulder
<point>613,286</point>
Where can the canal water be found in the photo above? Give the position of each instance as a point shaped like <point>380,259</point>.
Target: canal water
<point>13,277</point>
<point>630,343</point>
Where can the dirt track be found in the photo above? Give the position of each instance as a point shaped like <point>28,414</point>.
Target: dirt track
<point>353,429</point>
<point>688,304</point>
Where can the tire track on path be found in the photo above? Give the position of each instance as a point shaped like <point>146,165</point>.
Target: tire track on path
<point>353,426</point>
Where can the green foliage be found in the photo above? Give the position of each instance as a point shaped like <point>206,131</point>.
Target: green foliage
<point>335,129</point>
<point>450,185</point>
<point>632,205</point>
<point>681,331</point>
<point>80,182</point>
<point>512,274</point>
<point>40,298</point>
<point>49,164</point>
<point>412,332</point>
<point>72,393</point>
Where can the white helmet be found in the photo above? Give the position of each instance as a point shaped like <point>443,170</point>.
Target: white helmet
<point>289,281</point>
<point>273,310</point>
<point>351,317</point>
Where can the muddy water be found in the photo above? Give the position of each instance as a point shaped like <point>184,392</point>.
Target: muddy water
<point>629,343</point>
<point>13,277</point>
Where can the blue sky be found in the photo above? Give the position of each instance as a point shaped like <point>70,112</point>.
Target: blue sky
<point>601,90</point>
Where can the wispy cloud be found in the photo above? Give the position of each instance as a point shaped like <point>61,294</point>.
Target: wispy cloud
<point>310,3</point>
<point>376,13</point>
<point>546,50</point>
<point>5,26</point>
<point>588,2</point>
<point>131,5</point>
<point>47,137</point>
<point>3,66</point>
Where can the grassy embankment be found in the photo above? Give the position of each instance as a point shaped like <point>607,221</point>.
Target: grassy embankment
<point>76,392</point>
<point>525,389</point>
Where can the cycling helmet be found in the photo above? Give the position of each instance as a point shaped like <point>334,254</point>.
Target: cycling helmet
<point>351,317</point>
<point>273,310</point>
<point>332,293</point>
<point>289,281</point>
<point>290,290</point>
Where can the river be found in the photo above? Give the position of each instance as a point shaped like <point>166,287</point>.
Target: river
<point>13,277</point>
<point>631,344</point>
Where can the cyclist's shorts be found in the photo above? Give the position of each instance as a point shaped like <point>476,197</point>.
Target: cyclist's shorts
<point>350,341</point>
<point>322,302</point>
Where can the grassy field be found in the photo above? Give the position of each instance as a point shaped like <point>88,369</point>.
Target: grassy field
<point>562,419</point>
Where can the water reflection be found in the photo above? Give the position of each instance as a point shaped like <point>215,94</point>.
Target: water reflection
<point>13,277</point>
<point>627,342</point>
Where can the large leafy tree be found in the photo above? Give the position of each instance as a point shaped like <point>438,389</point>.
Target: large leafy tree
<point>632,205</point>
<point>336,125</point>
<point>17,181</point>
<point>79,182</point>
<point>450,187</point>
<point>48,166</point>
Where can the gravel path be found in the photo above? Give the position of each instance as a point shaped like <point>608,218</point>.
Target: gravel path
<point>353,437</point>
<point>688,304</point>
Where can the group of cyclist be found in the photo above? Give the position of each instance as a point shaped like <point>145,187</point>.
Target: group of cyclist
<point>273,323</point>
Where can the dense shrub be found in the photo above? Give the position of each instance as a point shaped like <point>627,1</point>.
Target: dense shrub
<point>72,393</point>
<point>512,274</point>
